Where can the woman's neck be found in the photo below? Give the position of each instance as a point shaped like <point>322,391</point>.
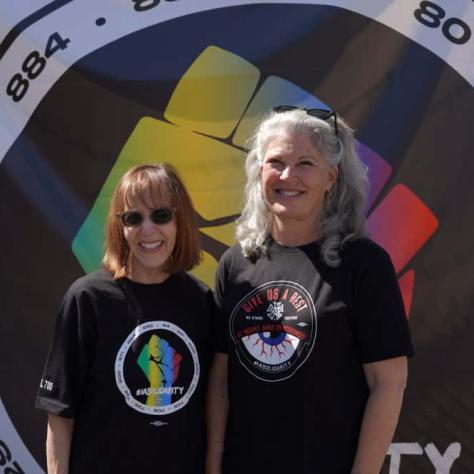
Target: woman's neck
<point>294,233</point>
<point>140,275</point>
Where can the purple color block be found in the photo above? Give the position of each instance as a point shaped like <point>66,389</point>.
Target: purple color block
<point>379,171</point>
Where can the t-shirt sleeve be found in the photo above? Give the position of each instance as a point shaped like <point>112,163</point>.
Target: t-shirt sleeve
<point>220,326</point>
<point>69,358</point>
<point>381,325</point>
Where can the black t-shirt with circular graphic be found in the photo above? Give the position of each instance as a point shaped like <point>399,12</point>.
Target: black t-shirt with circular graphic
<point>297,333</point>
<point>129,363</point>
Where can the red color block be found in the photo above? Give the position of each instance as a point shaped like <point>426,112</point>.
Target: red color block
<point>407,283</point>
<point>401,224</point>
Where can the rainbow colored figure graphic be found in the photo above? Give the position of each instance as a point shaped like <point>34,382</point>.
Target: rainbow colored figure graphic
<point>160,362</point>
<point>210,115</point>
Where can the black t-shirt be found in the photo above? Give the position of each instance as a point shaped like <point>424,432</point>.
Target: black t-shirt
<point>129,363</point>
<point>297,333</point>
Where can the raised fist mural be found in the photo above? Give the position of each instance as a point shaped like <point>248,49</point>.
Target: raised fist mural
<point>211,114</point>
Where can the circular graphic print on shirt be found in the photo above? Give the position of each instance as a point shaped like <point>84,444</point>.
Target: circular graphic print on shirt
<point>157,368</point>
<point>274,329</point>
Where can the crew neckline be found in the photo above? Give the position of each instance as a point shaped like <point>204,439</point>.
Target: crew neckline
<point>138,284</point>
<point>309,247</point>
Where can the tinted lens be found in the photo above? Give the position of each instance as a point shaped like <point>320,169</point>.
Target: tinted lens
<point>319,113</point>
<point>284,108</point>
<point>131,218</point>
<point>161,216</point>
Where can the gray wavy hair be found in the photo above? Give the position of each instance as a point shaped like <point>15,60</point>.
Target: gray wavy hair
<point>343,215</point>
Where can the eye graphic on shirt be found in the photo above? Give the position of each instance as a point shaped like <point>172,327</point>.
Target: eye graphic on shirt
<point>273,347</point>
<point>157,368</point>
<point>274,329</point>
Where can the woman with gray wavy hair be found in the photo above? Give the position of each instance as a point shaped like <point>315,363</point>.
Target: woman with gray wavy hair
<point>342,215</point>
<point>313,346</point>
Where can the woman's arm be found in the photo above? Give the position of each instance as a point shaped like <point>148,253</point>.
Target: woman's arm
<point>58,443</point>
<point>217,409</point>
<point>387,381</point>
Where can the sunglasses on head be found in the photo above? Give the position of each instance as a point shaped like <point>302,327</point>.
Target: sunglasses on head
<point>163,215</point>
<point>322,114</point>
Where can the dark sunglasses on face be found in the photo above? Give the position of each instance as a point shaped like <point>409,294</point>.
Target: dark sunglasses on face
<point>322,114</point>
<point>162,215</point>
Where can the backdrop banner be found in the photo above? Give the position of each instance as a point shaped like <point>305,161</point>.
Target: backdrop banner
<point>88,89</point>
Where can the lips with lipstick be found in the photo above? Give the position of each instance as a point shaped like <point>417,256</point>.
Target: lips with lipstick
<point>151,247</point>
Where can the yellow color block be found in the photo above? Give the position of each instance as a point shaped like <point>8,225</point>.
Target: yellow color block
<point>223,233</point>
<point>213,93</point>
<point>206,271</point>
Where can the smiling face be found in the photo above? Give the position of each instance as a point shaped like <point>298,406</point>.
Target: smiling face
<point>295,177</point>
<point>151,245</point>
